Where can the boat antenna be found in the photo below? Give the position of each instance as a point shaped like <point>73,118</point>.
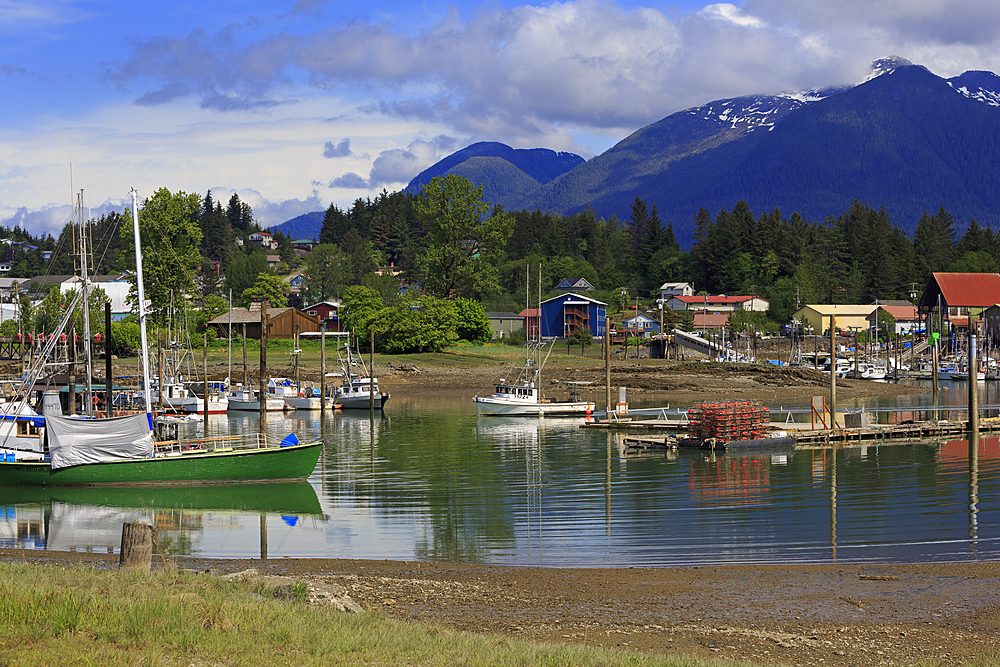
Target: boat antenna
<point>142,309</point>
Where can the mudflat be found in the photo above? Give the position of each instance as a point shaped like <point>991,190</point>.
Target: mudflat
<point>833,614</point>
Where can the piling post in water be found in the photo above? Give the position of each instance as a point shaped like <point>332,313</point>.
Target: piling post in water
<point>973,389</point>
<point>322,377</point>
<point>607,367</point>
<point>159,369</point>
<point>833,371</point>
<point>371,371</point>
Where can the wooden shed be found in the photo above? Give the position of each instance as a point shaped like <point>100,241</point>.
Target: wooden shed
<point>246,321</point>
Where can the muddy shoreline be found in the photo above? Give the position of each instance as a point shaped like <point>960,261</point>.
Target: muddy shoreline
<point>836,614</point>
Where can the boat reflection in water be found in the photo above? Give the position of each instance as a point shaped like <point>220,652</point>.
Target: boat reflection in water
<point>90,519</point>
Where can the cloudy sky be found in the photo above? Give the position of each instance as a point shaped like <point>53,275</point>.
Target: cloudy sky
<point>299,104</point>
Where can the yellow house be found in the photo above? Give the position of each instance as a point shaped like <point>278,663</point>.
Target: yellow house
<point>848,317</point>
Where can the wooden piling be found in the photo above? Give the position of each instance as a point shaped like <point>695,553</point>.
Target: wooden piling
<point>137,547</point>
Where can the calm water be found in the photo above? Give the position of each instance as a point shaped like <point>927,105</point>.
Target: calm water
<point>432,481</point>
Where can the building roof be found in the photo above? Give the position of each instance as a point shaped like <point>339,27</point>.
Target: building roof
<point>962,289</point>
<point>247,316</point>
<point>669,285</point>
<point>719,298</point>
<point>840,309</point>
<point>705,319</point>
<point>640,317</point>
<point>332,304</point>
<point>563,297</point>
<point>528,312</point>
<point>907,313</point>
<point>502,315</point>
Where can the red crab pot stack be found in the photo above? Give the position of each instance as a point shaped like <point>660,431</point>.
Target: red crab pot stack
<point>731,420</point>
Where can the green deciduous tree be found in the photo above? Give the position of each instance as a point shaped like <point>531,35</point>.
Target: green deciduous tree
<point>171,244</point>
<point>465,247</point>
<point>268,287</point>
<point>327,271</point>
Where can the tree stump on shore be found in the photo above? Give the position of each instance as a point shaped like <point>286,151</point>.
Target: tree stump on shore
<point>137,547</point>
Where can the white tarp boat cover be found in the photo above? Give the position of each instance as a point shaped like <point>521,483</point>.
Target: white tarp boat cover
<point>73,442</point>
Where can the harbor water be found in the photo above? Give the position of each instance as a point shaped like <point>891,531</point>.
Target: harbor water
<point>430,480</point>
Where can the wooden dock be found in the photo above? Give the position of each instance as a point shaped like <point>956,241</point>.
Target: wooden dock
<point>804,434</point>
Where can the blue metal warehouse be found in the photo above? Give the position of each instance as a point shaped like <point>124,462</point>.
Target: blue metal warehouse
<point>564,314</point>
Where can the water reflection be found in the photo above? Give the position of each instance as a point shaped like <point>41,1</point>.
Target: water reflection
<point>90,519</point>
<point>430,480</point>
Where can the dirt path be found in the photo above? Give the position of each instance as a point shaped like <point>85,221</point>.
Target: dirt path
<point>801,615</point>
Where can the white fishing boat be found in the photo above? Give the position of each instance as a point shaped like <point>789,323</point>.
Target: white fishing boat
<point>523,396</point>
<point>245,399</point>
<point>293,395</point>
<point>355,391</point>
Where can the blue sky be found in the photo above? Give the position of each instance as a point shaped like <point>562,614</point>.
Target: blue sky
<point>299,104</point>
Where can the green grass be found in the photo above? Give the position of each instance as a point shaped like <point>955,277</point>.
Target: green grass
<point>81,616</point>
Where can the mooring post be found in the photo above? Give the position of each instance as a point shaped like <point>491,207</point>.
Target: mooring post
<point>322,377</point>
<point>833,371</point>
<point>371,372</point>
<point>607,367</point>
<point>973,389</point>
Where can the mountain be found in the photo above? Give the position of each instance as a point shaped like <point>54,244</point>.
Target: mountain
<point>305,226</point>
<point>902,138</point>
<point>508,175</point>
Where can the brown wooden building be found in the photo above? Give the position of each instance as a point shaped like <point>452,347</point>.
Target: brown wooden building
<point>246,321</point>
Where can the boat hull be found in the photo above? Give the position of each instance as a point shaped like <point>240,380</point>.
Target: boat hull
<point>295,462</point>
<point>360,402</point>
<point>271,405</point>
<point>487,405</point>
<point>304,403</point>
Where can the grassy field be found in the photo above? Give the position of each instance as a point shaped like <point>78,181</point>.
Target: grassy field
<point>82,616</point>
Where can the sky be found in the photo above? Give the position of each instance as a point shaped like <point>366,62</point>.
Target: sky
<point>299,104</point>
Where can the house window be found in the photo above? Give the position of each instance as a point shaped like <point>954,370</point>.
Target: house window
<point>311,312</point>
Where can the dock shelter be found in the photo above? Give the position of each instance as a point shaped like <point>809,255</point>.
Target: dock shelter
<point>564,315</point>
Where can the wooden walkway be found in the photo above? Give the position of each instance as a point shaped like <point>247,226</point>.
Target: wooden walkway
<point>804,435</point>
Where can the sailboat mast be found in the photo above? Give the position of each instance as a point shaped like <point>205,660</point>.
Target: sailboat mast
<point>85,287</point>
<point>142,309</point>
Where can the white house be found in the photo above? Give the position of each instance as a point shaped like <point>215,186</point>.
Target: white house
<point>668,290</point>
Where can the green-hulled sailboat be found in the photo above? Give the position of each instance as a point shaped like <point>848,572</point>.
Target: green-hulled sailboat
<point>55,450</point>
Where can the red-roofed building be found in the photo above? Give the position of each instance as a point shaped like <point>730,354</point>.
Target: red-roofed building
<point>530,318</point>
<point>706,320</point>
<point>721,303</point>
<point>906,317</point>
<point>960,295</point>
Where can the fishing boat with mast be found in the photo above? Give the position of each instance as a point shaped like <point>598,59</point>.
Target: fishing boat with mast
<point>522,394</point>
<point>52,449</point>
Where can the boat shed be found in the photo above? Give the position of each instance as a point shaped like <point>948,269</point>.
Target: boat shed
<point>564,315</point>
<point>957,296</point>
<point>246,321</point>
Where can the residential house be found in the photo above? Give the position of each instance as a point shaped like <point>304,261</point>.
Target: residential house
<point>115,286</point>
<point>273,261</point>
<point>563,315</point>
<point>705,320</point>
<point>303,244</point>
<point>327,312</point>
<point>575,285</point>
<point>504,323</point>
<point>10,287</point>
<point>641,325</point>
<point>264,239</point>
<point>668,290</point>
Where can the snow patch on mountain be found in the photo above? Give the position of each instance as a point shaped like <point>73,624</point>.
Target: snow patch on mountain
<point>980,86</point>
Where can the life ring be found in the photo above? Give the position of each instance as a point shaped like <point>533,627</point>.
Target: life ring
<point>95,400</point>
<point>301,395</point>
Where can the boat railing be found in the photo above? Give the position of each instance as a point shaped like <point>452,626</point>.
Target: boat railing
<point>219,444</point>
